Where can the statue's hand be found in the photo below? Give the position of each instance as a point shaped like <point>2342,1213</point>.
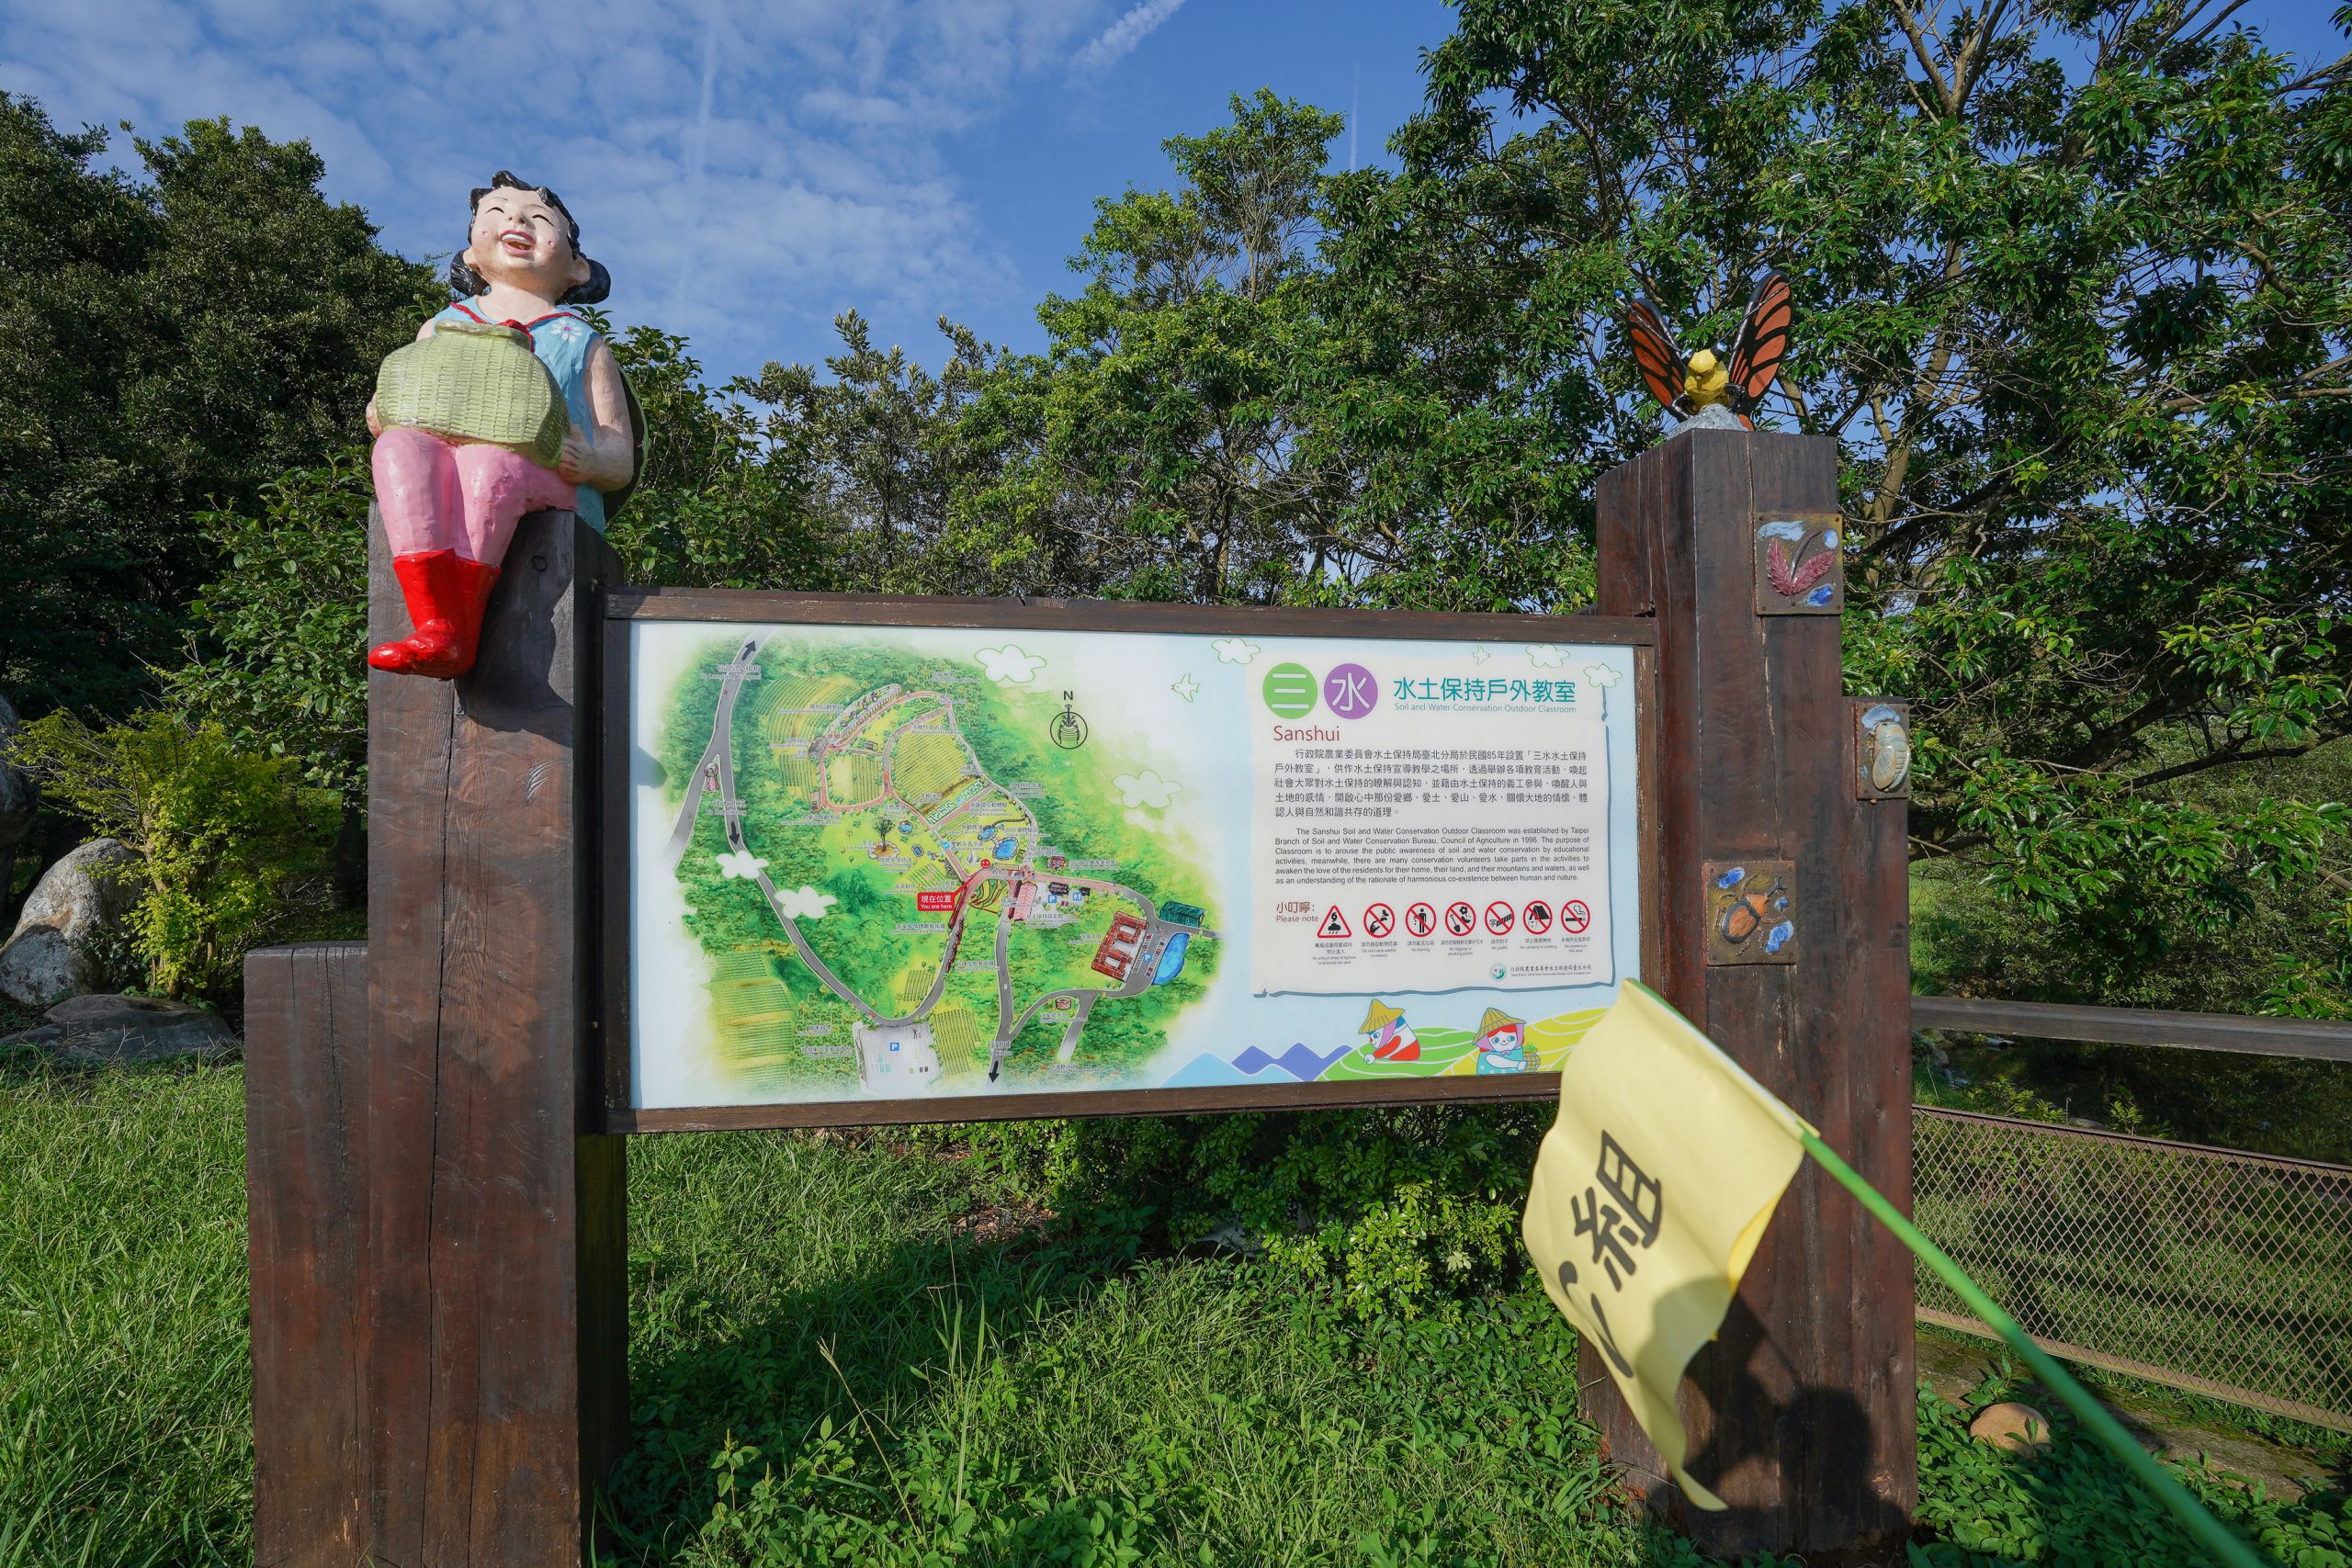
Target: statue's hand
<point>375,426</point>
<point>577,458</point>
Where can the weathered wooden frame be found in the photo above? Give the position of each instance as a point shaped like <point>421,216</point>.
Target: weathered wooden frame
<point>627,606</point>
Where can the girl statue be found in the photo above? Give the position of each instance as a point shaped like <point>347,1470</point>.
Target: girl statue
<point>451,494</point>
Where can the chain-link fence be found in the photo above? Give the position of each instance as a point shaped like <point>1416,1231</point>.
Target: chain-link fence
<point>2227,1273</point>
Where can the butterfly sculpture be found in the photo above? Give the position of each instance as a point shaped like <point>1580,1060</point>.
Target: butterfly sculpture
<point>1737,379</point>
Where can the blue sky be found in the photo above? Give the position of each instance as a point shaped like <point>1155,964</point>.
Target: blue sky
<point>747,168</point>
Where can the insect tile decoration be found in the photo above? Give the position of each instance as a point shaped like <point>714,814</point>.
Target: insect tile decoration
<point>1882,749</point>
<point>1797,564</point>
<point>1751,911</point>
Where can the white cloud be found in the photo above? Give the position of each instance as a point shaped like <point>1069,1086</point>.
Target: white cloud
<point>740,864</point>
<point>1010,663</point>
<point>746,171</point>
<point>1120,39</point>
<point>1546,655</point>
<point>1602,675</point>
<point>803,902</point>
<point>1146,788</point>
<point>1235,649</point>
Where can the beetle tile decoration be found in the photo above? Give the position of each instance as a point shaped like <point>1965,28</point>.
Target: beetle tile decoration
<point>1798,570</point>
<point>1751,911</point>
<point>1882,749</point>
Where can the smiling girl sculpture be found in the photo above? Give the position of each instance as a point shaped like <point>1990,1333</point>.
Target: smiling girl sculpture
<point>506,403</point>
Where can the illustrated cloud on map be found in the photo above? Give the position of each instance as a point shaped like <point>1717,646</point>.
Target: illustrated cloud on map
<point>803,902</point>
<point>1010,663</point>
<point>740,863</point>
<point>1147,788</point>
<point>1235,649</point>
<point>1604,675</point>
<point>1546,655</point>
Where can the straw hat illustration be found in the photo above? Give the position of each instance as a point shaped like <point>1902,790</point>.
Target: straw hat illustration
<point>1380,1017</point>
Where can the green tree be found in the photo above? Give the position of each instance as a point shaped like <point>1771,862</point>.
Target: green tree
<point>165,347</point>
<point>224,838</point>
<point>2074,297</point>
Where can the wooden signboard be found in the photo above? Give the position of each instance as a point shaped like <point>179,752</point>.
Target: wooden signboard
<point>895,860</point>
<point>671,860</point>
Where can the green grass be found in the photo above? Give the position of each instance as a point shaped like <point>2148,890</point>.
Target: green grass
<point>875,1352</point>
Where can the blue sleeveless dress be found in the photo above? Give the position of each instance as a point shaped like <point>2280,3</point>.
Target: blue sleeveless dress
<point>562,340</point>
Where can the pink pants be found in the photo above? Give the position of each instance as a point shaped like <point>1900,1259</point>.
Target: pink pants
<point>438,494</point>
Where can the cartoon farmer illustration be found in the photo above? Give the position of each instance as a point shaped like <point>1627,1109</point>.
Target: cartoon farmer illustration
<point>1393,1039</point>
<point>1502,1043</point>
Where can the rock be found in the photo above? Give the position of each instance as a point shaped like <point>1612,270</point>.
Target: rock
<point>2012,1427</point>
<point>78,899</point>
<point>128,1029</point>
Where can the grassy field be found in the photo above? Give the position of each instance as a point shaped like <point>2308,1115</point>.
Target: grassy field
<point>867,1353</point>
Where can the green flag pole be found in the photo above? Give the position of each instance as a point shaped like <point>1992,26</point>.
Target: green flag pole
<point>2210,1532</point>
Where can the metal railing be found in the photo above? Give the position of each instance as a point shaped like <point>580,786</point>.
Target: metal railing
<point>2222,1272</point>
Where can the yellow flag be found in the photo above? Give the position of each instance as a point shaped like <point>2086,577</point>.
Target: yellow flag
<point>1651,1190</point>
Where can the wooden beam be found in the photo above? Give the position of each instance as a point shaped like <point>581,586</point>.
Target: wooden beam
<point>2309,1038</point>
<point>306,1180</point>
<point>496,1304</point>
<point>1800,1414</point>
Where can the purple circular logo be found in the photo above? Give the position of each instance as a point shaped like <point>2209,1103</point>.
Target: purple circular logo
<point>1350,692</point>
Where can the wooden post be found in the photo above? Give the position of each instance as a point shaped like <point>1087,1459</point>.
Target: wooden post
<point>1801,1415</point>
<point>496,1309</point>
<point>306,1180</point>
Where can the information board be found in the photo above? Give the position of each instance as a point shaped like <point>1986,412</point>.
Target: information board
<point>876,864</point>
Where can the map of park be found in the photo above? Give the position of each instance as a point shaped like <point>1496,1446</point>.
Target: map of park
<point>904,882</point>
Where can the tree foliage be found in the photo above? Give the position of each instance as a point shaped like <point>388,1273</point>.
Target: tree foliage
<point>2075,295</point>
<point>220,835</point>
<point>165,347</point>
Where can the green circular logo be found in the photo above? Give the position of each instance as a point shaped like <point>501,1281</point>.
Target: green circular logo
<point>1289,691</point>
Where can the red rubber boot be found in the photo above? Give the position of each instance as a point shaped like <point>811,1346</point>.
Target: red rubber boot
<point>446,595</point>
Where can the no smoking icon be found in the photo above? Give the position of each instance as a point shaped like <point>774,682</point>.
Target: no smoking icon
<point>1379,920</point>
<point>1420,919</point>
<point>1574,916</point>
<point>1461,918</point>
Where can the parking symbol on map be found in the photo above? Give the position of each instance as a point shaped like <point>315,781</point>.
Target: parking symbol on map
<point>1420,919</point>
<point>1461,918</point>
<point>1574,916</point>
<point>1537,916</point>
<point>1500,917</point>
<point>1379,920</point>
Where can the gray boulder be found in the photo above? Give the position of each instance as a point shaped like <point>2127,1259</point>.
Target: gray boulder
<point>82,897</point>
<point>128,1029</point>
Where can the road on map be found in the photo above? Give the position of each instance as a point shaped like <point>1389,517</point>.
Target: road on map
<point>718,760</point>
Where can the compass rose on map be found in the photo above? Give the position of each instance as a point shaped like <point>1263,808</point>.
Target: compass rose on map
<point>1069,730</point>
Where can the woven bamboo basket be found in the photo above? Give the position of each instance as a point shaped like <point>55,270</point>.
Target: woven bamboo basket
<point>475,382</point>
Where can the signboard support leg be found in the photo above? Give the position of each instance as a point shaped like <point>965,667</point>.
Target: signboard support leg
<point>494,1311</point>
<point>1801,1416</point>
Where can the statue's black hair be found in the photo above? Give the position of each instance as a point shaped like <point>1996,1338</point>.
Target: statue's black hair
<point>465,282</point>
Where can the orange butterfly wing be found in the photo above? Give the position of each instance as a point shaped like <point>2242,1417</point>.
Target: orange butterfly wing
<point>1763,339</point>
<point>1653,351</point>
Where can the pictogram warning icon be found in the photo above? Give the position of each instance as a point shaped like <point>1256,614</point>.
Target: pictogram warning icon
<point>1379,920</point>
<point>1335,924</point>
<point>1461,918</point>
<point>1574,916</point>
<point>1501,918</point>
<point>1420,919</point>
<point>1537,916</point>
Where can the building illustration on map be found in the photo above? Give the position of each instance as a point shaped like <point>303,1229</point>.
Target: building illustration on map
<point>878,862</point>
